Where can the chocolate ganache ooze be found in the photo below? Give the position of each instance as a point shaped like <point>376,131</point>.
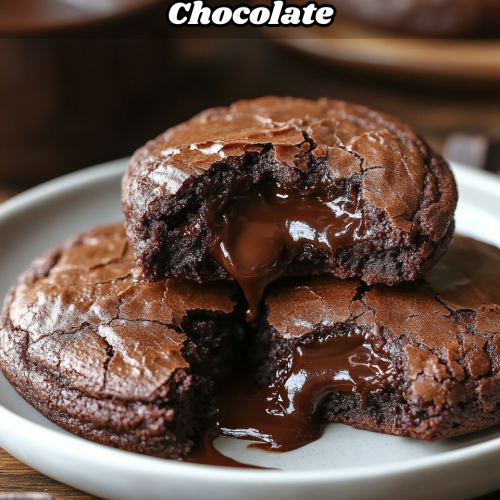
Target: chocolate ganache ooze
<point>140,366</point>
<point>438,335</point>
<point>262,233</point>
<point>286,414</point>
<point>276,187</point>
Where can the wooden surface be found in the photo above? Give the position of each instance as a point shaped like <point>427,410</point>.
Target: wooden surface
<point>16,477</point>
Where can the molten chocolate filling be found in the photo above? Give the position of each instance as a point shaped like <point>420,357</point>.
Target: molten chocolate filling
<point>286,414</point>
<point>262,232</point>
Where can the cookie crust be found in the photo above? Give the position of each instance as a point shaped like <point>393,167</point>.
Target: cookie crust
<point>111,358</point>
<point>441,336</point>
<point>188,176</point>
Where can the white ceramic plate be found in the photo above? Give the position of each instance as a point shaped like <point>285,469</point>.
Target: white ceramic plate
<point>345,464</point>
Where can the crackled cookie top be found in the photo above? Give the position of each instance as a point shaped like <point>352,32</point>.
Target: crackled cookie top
<point>352,139</point>
<point>448,322</point>
<point>275,187</point>
<point>91,316</point>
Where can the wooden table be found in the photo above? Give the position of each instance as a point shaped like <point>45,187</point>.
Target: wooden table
<point>249,68</point>
<point>16,477</point>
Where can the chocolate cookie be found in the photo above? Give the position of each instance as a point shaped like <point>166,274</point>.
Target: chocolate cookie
<point>284,186</point>
<point>100,352</point>
<point>420,359</point>
<point>445,18</point>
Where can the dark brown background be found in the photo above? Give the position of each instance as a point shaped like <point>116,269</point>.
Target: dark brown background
<point>68,104</point>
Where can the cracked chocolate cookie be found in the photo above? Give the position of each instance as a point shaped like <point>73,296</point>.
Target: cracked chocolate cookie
<point>100,352</point>
<point>420,359</point>
<point>284,186</point>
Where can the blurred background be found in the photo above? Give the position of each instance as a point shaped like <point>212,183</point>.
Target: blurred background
<point>87,81</point>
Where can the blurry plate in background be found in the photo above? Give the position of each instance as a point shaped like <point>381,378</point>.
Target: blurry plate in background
<point>27,16</point>
<point>344,464</point>
<point>460,62</point>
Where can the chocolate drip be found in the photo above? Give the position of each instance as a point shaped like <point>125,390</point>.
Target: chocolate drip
<point>286,414</point>
<point>204,451</point>
<point>262,232</point>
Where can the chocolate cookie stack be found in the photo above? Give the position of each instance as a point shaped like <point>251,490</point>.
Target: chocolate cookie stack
<point>286,265</point>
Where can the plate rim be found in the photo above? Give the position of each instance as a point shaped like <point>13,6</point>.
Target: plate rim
<point>345,47</point>
<point>152,465</point>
